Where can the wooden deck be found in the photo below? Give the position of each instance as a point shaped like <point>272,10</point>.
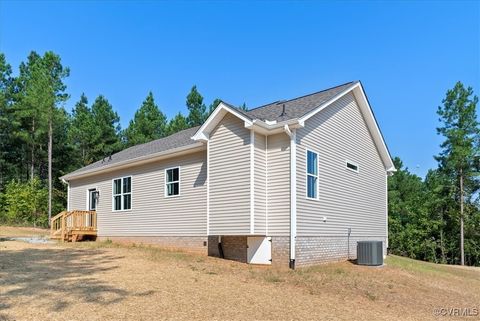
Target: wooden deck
<point>72,226</point>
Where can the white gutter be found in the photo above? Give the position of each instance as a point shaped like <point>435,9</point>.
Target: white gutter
<point>269,128</point>
<point>292,133</point>
<point>138,160</point>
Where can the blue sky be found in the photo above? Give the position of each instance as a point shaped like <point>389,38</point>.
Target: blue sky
<point>407,54</point>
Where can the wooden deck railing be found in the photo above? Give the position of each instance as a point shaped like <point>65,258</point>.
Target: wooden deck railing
<point>69,224</point>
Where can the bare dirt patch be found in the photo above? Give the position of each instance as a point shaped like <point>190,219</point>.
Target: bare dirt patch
<point>103,281</point>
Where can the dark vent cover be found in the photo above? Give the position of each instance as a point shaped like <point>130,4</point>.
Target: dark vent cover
<point>370,253</point>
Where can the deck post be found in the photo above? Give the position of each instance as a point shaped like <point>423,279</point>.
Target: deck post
<point>63,228</point>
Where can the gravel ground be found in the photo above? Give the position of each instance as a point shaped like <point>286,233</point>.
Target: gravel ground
<point>102,281</point>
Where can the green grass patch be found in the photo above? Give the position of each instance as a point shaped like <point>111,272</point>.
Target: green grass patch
<point>272,278</point>
<point>428,268</point>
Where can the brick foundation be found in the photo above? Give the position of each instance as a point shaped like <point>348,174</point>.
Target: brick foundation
<point>310,250</point>
<point>234,247</point>
<point>316,250</point>
<point>196,244</point>
<point>280,250</point>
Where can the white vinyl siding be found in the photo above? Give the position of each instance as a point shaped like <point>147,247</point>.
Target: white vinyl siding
<point>152,214</point>
<point>229,178</point>
<point>348,199</point>
<point>260,178</point>
<point>278,185</point>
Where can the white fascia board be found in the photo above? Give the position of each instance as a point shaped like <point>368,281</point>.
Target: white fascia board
<point>373,127</point>
<point>366,110</point>
<point>264,128</point>
<point>214,118</point>
<point>326,104</point>
<point>139,160</point>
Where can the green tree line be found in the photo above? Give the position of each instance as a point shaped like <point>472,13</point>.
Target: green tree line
<point>437,219</point>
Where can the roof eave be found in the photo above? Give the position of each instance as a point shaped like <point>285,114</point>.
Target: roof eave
<point>269,128</point>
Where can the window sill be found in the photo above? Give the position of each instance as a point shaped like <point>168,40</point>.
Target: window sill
<point>172,196</point>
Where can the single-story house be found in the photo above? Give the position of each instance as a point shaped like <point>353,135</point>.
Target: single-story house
<point>294,182</point>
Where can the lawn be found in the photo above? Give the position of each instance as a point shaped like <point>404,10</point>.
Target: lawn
<point>7,231</point>
<point>105,281</point>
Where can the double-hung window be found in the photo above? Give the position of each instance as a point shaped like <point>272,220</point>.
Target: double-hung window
<point>122,193</point>
<point>312,175</point>
<point>172,181</point>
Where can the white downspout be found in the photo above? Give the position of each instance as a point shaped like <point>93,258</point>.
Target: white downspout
<point>293,192</point>
<point>208,189</point>
<point>68,193</point>
<point>252,181</point>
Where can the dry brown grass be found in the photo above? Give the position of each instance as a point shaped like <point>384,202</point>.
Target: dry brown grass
<point>104,281</point>
<point>12,231</point>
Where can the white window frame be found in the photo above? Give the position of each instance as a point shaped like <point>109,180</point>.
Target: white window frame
<point>354,164</point>
<point>122,194</point>
<point>308,174</point>
<point>166,183</point>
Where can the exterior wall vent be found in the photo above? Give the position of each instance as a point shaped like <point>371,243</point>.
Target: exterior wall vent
<point>370,253</point>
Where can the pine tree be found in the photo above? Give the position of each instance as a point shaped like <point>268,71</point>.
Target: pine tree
<point>213,106</point>
<point>82,131</point>
<point>438,204</point>
<point>41,89</point>
<point>50,79</point>
<point>28,114</point>
<point>106,122</point>
<point>7,163</point>
<point>196,108</point>
<point>148,124</point>
<point>176,124</point>
<point>460,150</point>
<point>243,107</point>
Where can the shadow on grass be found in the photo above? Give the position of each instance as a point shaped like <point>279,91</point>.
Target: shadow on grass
<point>53,273</point>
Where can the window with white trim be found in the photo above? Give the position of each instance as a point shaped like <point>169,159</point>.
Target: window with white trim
<point>172,181</point>
<point>122,193</point>
<point>312,174</point>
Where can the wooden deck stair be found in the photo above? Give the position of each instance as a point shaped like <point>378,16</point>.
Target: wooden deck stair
<point>72,226</point>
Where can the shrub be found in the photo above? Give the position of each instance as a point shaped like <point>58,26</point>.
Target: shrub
<point>25,202</point>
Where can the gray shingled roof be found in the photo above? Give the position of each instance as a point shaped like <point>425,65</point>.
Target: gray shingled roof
<point>294,108</point>
<point>297,107</point>
<point>180,139</point>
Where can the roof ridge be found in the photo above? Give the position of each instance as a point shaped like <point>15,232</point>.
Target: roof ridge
<point>311,94</point>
